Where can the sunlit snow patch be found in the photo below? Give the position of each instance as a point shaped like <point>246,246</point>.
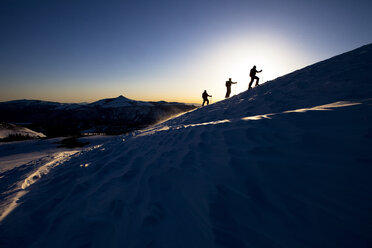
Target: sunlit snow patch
<point>43,170</point>
<point>257,117</point>
<point>207,123</point>
<point>57,159</point>
<point>324,107</point>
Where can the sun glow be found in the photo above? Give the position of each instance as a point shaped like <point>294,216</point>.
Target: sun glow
<point>210,68</point>
<point>233,58</point>
<point>207,68</point>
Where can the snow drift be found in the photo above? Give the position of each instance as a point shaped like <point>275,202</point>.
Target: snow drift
<point>287,164</point>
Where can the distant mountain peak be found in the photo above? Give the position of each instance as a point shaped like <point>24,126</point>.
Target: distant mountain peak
<point>121,97</point>
<point>120,101</point>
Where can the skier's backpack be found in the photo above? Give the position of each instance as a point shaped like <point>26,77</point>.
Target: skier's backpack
<point>252,73</point>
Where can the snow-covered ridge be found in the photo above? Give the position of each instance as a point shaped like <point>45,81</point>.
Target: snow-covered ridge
<point>346,77</point>
<point>111,116</point>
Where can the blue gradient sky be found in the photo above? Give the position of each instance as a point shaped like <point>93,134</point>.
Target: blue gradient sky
<point>76,51</point>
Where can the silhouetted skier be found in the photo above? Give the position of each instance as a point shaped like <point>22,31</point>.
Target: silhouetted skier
<point>253,76</point>
<point>228,87</point>
<point>205,97</point>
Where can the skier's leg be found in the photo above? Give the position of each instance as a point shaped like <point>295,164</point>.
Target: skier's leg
<point>250,83</point>
<point>228,92</point>
<point>258,79</point>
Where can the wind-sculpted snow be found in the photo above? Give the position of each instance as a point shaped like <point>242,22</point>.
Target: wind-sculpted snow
<point>43,170</point>
<point>227,175</point>
<point>10,202</point>
<point>31,172</point>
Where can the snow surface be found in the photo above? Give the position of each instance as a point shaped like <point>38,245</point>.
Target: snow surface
<point>17,153</point>
<point>10,129</point>
<point>287,164</point>
<point>23,163</point>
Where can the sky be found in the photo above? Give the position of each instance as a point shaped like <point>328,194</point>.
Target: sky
<point>172,50</point>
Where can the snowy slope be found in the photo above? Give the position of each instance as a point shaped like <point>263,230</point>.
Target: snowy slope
<point>11,129</point>
<point>287,164</point>
<point>341,78</point>
<point>19,153</point>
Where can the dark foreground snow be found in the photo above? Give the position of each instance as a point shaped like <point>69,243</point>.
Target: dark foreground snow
<point>288,164</point>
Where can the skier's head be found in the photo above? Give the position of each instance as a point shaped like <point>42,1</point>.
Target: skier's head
<point>254,66</point>
<point>205,90</point>
<point>229,79</point>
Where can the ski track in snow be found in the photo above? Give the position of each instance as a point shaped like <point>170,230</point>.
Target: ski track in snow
<point>287,164</point>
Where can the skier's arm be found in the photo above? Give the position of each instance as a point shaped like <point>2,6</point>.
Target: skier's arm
<point>259,71</point>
